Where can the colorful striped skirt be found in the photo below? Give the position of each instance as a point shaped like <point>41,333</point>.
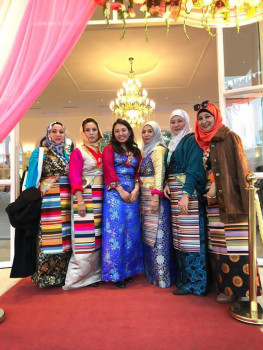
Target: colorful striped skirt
<point>189,240</point>
<point>85,263</point>
<point>54,239</point>
<point>228,250</point>
<point>158,252</point>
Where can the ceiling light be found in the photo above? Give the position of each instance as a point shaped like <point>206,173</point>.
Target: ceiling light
<point>131,103</point>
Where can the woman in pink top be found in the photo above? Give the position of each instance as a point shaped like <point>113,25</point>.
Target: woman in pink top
<point>86,181</point>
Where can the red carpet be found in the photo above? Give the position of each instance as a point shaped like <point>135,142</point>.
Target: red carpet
<point>141,316</point>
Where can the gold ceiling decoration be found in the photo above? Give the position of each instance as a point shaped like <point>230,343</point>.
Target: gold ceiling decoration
<point>197,13</point>
<point>131,103</point>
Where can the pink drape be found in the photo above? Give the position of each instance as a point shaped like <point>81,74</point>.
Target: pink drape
<point>47,33</point>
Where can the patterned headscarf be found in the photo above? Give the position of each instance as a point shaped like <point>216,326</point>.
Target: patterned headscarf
<point>155,141</point>
<point>186,130</point>
<point>57,148</point>
<point>203,138</point>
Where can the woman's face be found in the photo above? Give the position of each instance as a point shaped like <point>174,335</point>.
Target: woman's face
<point>121,133</point>
<point>147,134</point>
<point>91,131</point>
<point>206,121</point>
<point>177,124</point>
<point>57,133</point>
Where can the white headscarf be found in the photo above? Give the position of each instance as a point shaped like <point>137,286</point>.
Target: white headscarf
<point>155,141</point>
<point>186,130</point>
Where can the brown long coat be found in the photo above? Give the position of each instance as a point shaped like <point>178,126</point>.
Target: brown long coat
<point>230,169</point>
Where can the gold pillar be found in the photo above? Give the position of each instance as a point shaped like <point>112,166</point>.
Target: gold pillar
<point>250,311</point>
<point>2,315</point>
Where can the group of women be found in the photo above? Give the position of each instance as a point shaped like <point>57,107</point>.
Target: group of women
<point>179,213</point>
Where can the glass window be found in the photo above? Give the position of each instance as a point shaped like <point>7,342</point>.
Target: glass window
<point>166,137</point>
<point>242,59</point>
<point>245,117</point>
<point>5,158</point>
<point>5,226</point>
<point>106,139</point>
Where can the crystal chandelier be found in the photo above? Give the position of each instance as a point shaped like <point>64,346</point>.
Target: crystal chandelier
<point>132,104</point>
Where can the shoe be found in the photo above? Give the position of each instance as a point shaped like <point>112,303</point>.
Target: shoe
<point>225,299</point>
<point>121,284</point>
<point>129,279</point>
<point>180,291</point>
<point>95,284</point>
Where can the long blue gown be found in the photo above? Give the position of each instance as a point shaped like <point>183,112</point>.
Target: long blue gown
<point>158,252</point>
<point>121,233</point>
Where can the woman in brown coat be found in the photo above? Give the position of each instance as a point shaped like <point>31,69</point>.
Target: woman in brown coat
<point>227,197</point>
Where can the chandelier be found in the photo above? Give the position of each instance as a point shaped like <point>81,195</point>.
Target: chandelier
<point>132,104</point>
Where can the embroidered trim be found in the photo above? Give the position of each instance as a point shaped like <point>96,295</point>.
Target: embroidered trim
<point>113,185</point>
<point>129,160</point>
<point>96,155</point>
<point>205,157</point>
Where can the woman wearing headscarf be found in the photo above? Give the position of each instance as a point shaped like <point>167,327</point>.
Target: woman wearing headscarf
<point>86,181</point>
<point>158,254</point>
<point>54,239</point>
<point>185,189</point>
<point>227,211</point>
<point>121,231</point>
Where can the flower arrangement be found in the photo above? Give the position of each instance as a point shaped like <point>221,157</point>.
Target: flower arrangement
<point>172,10</point>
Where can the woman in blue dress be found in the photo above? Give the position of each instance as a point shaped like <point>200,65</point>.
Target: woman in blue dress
<point>121,233</point>
<point>158,252</point>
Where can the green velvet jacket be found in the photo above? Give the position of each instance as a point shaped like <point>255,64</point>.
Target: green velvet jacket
<point>188,158</point>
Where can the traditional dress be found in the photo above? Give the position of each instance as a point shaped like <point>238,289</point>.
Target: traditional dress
<point>186,175</point>
<point>158,252</point>
<point>225,163</point>
<point>121,232</point>
<point>85,175</point>
<point>54,239</point>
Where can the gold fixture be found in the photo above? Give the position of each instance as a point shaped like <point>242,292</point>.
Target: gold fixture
<point>250,311</point>
<point>132,104</point>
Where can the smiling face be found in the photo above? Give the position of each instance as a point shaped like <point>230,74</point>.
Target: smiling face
<point>206,121</point>
<point>57,133</point>
<point>147,134</point>
<point>91,131</point>
<point>121,133</point>
<point>177,124</point>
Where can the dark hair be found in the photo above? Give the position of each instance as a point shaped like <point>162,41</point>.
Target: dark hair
<point>42,140</point>
<point>130,143</point>
<point>91,120</point>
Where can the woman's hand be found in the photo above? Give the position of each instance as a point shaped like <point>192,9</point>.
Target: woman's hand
<point>154,206</point>
<point>123,194</point>
<point>134,195</point>
<point>183,204</point>
<point>211,194</point>
<point>82,210</point>
<point>167,192</point>
<point>81,204</point>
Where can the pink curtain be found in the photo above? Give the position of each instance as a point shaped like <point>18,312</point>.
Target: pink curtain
<point>47,33</point>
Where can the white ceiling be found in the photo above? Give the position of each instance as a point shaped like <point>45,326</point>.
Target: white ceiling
<point>176,72</point>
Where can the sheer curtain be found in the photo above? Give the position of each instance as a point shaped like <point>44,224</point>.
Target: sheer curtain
<point>45,35</point>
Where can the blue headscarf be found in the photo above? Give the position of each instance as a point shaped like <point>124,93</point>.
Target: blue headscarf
<point>57,148</point>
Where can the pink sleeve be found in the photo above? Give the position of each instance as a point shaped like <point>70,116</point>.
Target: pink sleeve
<point>111,179</point>
<point>155,191</point>
<point>137,174</point>
<point>75,171</point>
